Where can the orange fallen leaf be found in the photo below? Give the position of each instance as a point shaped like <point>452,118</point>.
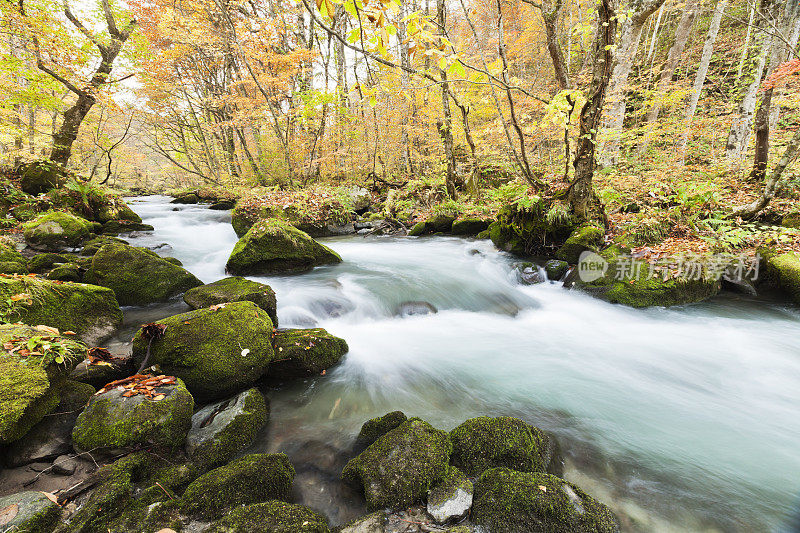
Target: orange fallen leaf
<point>20,296</point>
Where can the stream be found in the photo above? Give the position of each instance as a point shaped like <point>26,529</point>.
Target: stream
<point>681,419</point>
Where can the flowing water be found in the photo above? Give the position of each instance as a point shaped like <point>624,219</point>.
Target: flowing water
<point>682,419</point>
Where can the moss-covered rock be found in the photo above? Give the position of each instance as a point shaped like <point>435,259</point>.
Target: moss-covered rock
<point>304,352</point>
<point>401,466</point>
<point>8,254</point>
<point>251,479</point>
<point>273,246</point>
<point>91,246</point>
<point>376,428</point>
<point>783,271</point>
<point>93,202</point>
<point>451,498</point>
<point>30,385</point>
<point>791,220</point>
<point>507,501</point>
<point>271,517</point>
<point>91,312</point>
<point>586,237</point>
<point>483,442</point>
<point>469,226</point>
<point>41,176</point>
<point>67,272</point>
<point>219,431</point>
<point>55,230</point>
<point>187,198</point>
<point>116,227</point>
<point>138,276</point>
<point>41,263</point>
<point>12,267</point>
<point>555,269</point>
<point>112,421</point>
<point>217,352</point>
<point>528,230</point>
<point>371,523</point>
<point>35,513</point>
<point>418,229</point>
<point>234,289</point>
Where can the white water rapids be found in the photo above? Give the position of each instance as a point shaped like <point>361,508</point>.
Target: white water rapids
<point>681,419</point>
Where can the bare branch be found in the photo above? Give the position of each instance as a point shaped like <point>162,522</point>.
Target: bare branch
<point>83,29</point>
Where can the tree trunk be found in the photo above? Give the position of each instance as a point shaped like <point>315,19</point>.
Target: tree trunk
<point>700,78</point>
<point>550,13</point>
<point>446,124</point>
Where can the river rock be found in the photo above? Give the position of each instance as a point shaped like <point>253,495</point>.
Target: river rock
<point>52,436</point>
<point>507,501</point>
<point>556,269</point>
<point>28,512</point>
<point>791,220</point>
<point>250,479</point>
<point>30,386</point>
<point>111,421</point>
<point>187,198</point>
<point>67,272</point>
<point>271,517</point>
<point>117,227</point>
<point>584,238</point>
<point>12,267</point>
<point>41,176</point>
<point>223,205</point>
<point>222,429</point>
<point>782,271</point>
<point>91,246</point>
<point>41,263</point>
<point>95,203</point>
<point>399,468</point>
<point>99,375</point>
<point>304,352</point>
<point>64,465</point>
<point>483,442</point>
<point>216,351</point>
<point>469,226</point>
<point>273,246</point>
<point>9,254</point>
<point>530,275</point>
<point>418,308</point>
<point>376,428</point>
<point>138,276</point>
<point>56,230</point>
<point>451,498</point>
<point>234,289</point>
<point>91,312</point>
<point>372,523</point>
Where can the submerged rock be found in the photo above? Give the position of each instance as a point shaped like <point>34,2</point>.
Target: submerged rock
<point>271,517</point>
<point>418,308</point>
<point>482,443</point>
<point>28,512</point>
<point>451,498</point>
<point>112,421</point>
<point>304,352</point>
<point>273,246</point>
<point>556,269</point>
<point>55,230</point>
<point>507,501</point>
<point>376,428</point>
<point>138,276</point>
<point>400,467</point>
<point>234,289</point>
<point>216,352</point>
<point>221,430</point>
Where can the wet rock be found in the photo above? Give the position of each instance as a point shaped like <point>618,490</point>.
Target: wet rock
<point>273,246</point>
<point>188,198</point>
<point>28,512</point>
<point>64,465</point>
<point>221,430</point>
<point>556,269</point>
<point>332,307</point>
<point>304,352</point>
<point>216,352</point>
<point>56,230</point>
<point>372,523</point>
<point>451,498</point>
<point>417,308</point>
<point>41,176</point>
<point>99,375</point>
<point>584,238</point>
<point>530,275</point>
<point>223,205</point>
<point>234,289</point>
<point>41,263</point>
<point>138,276</point>
<point>271,517</point>
<point>376,428</point>
<point>782,271</point>
<point>117,227</point>
<point>483,442</point>
<point>507,501</point>
<point>399,468</point>
<point>469,226</point>
<point>111,421</point>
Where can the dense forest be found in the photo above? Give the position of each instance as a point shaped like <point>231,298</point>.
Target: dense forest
<point>294,266</point>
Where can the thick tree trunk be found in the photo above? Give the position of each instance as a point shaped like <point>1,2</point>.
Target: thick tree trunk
<point>446,124</point>
<point>550,14</point>
<point>70,126</point>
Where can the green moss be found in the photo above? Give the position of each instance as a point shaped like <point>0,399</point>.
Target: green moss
<point>41,176</point>
<point>36,513</point>
<point>401,466</point>
<point>304,352</point>
<point>507,501</point>
<point>206,347</point>
<point>111,421</point>
<point>271,517</point>
<point>526,230</point>
<point>556,269</point>
<point>377,427</point>
<point>251,479</point>
<point>138,276</point>
<point>234,289</point>
<point>9,254</point>
<point>418,229</point>
<point>41,263</point>
<point>791,220</point>
<point>68,272</point>
<point>451,483</point>
<point>91,246</point>
<point>174,261</point>
<point>469,226</point>
<point>482,443</point>
<point>783,270</point>
<point>94,202</point>
<point>12,267</point>
<point>116,227</point>
<point>56,229</point>
<point>584,238</point>
<point>272,246</point>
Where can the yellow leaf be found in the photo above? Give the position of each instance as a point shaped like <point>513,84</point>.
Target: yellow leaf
<point>20,296</point>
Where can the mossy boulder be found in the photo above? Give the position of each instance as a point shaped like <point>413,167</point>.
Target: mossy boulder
<point>507,501</point>
<point>376,428</point>
<point>41,176</point>
<point>250,479</point>
<point>112,421</point>
<point>631,282</point>
<point>528,230</point>
<point>217,352</point>
<point>451,498</point>
<point>55,230</point>
<point>783,271</point>
<point>469,226</point>
<point>138,276</point>
<point>94,202</point>
<point>220,430</point>
<point>791,220</point>
<point>271,517</point>
<point>9,254</point>
<point>12,267</point>
<point>371,523</point>
<point>30,385</point>
<point>116,227</point>
<point>586,237</point>
<point>304,352</point>
<point>187,198</point>
<point>28,512</point>
<point>91,312</point>
<point>555,269</point>
<point>483,442</point>
<point>418,229</point>
<point>273,246</point>
<point>400,467</point>
<point>91,246</point>
<point>234,289</point>
<point>66,272</point>
<point>41,263</point>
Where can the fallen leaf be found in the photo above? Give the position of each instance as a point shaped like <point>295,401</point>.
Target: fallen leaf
<point>217,307</point>
<point>50,496</point>
<point>158,397</point>
<point>68,333</point>
<point>20,296</point>
<point>542,488</point>
<point>47,329</point>
<point>245,352</point>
